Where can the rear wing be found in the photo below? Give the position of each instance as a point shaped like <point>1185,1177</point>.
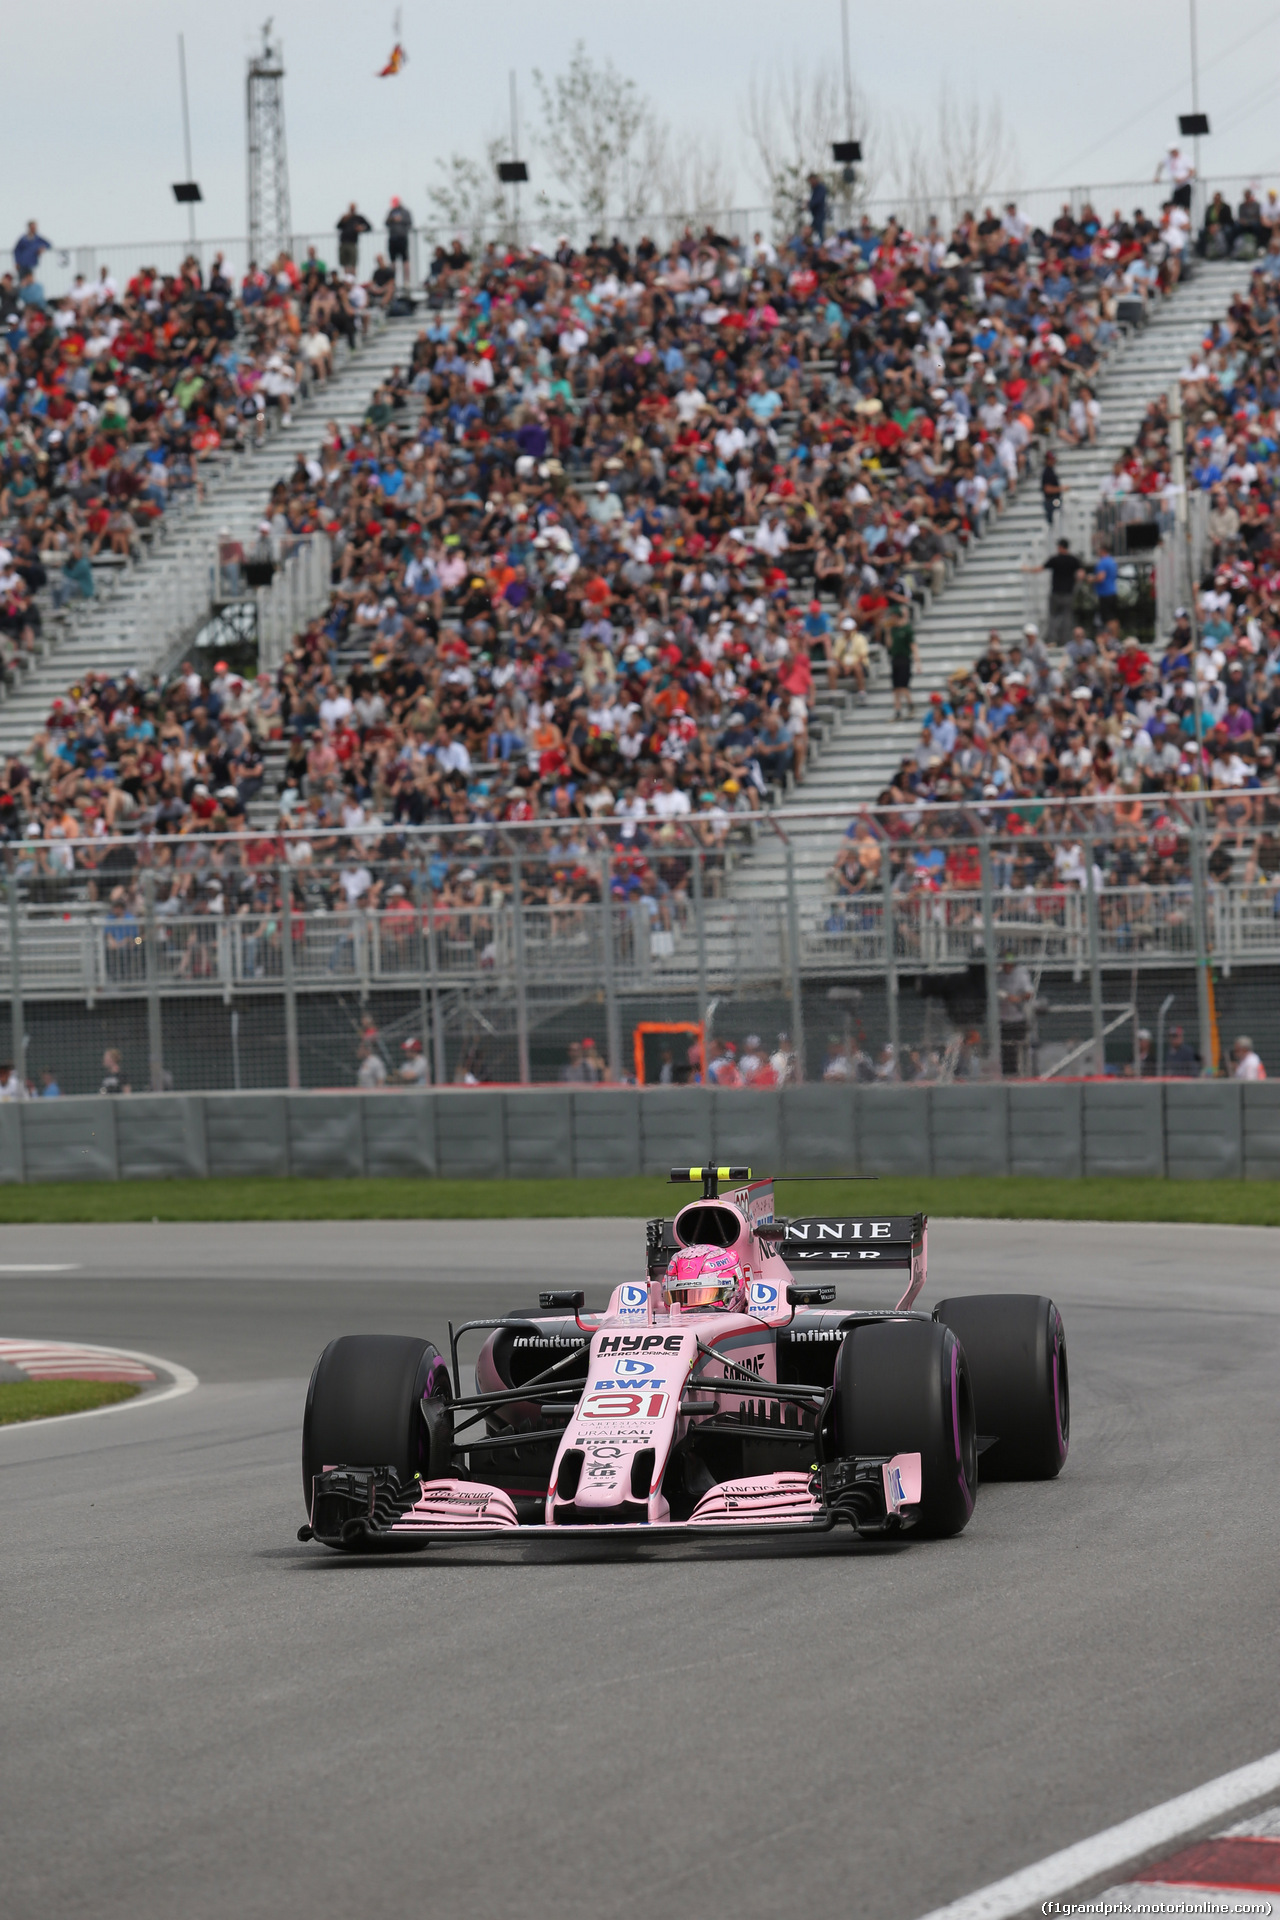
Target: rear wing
<point>900,1240</point>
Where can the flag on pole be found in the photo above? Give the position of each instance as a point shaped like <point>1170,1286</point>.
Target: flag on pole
<point>398,54</point>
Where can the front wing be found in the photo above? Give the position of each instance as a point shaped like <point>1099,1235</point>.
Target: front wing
<point>364,1508</point>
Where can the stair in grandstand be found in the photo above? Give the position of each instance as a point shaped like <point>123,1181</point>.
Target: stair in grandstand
<point>111,632</point>
<point>860,745</point>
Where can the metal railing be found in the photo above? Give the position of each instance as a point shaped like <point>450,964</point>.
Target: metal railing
<point>299,591</point>
<point>521,934</point>
<point>1040,205</point>
<point>83,958</point>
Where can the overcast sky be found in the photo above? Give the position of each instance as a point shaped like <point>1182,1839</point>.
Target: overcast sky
<point>92,132</point>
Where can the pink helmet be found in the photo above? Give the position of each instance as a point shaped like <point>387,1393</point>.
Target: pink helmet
<point>706,1277</point>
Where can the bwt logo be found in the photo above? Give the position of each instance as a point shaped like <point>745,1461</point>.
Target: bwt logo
<point>632,1366</point>
<point>634,1297</point>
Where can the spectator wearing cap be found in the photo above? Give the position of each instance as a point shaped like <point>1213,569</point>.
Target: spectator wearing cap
<point>412,1071</point>
<point>849,656</point>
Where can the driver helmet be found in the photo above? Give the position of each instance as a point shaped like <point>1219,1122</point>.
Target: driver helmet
<point>706,1278</point>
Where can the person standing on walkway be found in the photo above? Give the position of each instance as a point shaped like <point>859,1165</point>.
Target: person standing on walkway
<point>1051,489</point>
<point>28,248</point>
<point>1105,583</point>
<point>818,206</point>
<point>1179,172</point>
<point>350,226</point>
<point>1064,569</point>
<point>904,655</point>
<point>1014,994</point>
<point>399,225</point>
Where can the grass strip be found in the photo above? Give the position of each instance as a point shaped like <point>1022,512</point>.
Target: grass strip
<point>42,1399</point>
<point>1253,1203</point>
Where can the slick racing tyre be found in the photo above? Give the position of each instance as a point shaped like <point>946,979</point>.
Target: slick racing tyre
<point>1017,1354</point>
<point>902,1386</point>
<point>364,1407</point>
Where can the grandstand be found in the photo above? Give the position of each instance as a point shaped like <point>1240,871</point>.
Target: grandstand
<point>861,745</point>
<point>122,628</point>
<point>601,525</point>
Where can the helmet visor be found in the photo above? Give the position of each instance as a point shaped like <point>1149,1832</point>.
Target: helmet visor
<point>703,1292</point>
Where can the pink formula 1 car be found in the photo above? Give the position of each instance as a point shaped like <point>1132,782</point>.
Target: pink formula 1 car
<point>719,1394</point>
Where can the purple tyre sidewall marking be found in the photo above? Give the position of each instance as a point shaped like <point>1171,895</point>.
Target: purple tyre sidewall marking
<point>1057,1395</point>
<point>955,1424</point>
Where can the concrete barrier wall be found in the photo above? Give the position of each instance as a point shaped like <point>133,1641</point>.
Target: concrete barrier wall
<point>1192,1130</point>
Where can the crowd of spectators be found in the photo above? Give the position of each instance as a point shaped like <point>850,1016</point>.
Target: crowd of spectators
<point>588,538</point>
<point>1088,711</point>
<point>113,393</point>
<point>597,539</point>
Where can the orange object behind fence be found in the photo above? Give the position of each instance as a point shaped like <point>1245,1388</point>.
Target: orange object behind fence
<point>667,1026</point>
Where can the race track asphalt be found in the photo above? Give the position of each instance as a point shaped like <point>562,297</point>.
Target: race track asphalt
<point>201,1716</point>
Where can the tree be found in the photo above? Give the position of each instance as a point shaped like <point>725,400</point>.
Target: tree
<point>690,175</point>
<point>790,122</point>
<point>468,196</point>
<point>953,167</point>
<point>598,131</point>
<point>974,149</point>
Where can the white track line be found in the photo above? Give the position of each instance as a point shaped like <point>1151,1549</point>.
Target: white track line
<point>1111,1848</point>
<point>44,1266</point>
<point>184,1381</point>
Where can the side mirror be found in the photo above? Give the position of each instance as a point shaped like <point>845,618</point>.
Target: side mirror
<point>571,1302</point>
<point>773,1234</point>
<point>811,1296</point>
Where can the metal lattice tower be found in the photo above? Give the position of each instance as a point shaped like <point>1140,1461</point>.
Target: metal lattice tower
<point>267,161</point>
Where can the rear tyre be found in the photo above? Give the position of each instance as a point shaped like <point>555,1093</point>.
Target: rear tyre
<point>1017,1354</point>
<point>902,1386</point>
<point>364,1406</point>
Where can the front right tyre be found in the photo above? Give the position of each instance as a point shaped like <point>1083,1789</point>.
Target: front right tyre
<point>903,1386</point>
<point>364,1406</point>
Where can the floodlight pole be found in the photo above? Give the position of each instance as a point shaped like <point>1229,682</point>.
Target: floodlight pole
<point>848,81</point>
<point>269,224</point>
<point>1195,92</point>
<point>848,106</point>
<point>1199,880</point>
<point>186,134</point>
<point>515,155</point>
